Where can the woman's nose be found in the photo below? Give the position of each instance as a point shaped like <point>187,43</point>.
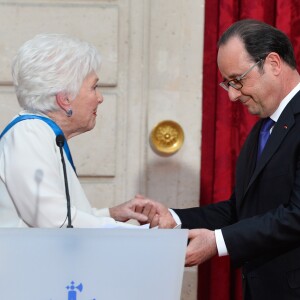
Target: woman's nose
<point>100,97</point>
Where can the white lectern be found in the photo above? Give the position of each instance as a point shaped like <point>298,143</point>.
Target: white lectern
<point>91,264</point>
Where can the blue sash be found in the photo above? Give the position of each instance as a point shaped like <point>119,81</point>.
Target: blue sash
<point>51,123</point>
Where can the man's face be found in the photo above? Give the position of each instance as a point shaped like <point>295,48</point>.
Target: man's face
<point>259,88</point>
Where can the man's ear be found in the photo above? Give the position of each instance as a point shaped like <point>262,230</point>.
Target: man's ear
<point>275,62</point>
<point>63,101</point>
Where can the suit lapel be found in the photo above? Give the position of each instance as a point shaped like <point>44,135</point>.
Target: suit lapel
<point>280,130</point>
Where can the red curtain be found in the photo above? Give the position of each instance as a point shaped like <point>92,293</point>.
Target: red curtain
<point>225,125</point>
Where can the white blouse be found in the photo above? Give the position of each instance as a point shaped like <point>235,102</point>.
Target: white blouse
<point>32,189</point>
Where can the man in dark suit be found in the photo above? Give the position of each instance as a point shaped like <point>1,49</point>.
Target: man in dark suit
<point>259,226</point>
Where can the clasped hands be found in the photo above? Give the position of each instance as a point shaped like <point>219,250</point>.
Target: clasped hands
<point>202,242</point>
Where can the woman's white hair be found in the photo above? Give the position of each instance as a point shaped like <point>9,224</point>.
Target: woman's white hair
<point>49,64</point>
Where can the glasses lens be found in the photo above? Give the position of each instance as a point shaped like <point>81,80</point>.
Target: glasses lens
<point>224,85</point>
<point>235,84</point>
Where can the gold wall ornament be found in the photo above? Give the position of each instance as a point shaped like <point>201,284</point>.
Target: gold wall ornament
<point>166,138</point>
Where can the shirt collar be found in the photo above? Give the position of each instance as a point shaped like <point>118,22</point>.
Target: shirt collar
<point>275,116</point>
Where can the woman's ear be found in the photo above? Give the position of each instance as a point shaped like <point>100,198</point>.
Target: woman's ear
<point>63,101</point>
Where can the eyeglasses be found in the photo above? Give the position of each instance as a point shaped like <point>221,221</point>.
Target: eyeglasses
<point>236,82</point>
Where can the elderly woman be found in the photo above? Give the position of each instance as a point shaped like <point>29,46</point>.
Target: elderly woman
<point>56,82</point>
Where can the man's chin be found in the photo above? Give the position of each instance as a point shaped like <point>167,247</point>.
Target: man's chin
<point>253,110</point>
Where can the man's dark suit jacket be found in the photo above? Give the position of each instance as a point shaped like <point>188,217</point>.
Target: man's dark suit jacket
<point>261,221</point>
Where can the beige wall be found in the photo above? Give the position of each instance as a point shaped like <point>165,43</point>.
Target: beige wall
<point>151,71</point>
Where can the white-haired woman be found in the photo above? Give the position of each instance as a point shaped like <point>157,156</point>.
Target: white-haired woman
<point>56,83</point>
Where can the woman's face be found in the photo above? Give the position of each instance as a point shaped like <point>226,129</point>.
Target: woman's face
<point>85,105</point>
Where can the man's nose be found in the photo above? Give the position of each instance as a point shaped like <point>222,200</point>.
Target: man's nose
<point>234,94</point>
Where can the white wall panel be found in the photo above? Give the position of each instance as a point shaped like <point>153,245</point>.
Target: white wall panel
<point>9,105</point>
<point>96,23</point>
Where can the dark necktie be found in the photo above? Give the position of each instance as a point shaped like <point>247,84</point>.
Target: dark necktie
<point>264,135</point>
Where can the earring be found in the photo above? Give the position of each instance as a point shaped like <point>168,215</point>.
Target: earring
<point>69,112</point>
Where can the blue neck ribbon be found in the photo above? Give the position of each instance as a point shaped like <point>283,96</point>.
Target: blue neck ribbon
<point>51,123</point>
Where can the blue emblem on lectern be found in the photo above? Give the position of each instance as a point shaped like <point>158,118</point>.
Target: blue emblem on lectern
<point>72,293</point>
<point>73,289</point>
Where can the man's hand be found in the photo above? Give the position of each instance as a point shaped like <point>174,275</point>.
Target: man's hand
<point>158,215</point>
<point>202,246</point>
<point>133,209</point>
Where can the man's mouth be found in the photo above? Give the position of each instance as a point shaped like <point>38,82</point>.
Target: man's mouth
<point>244,101</point>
